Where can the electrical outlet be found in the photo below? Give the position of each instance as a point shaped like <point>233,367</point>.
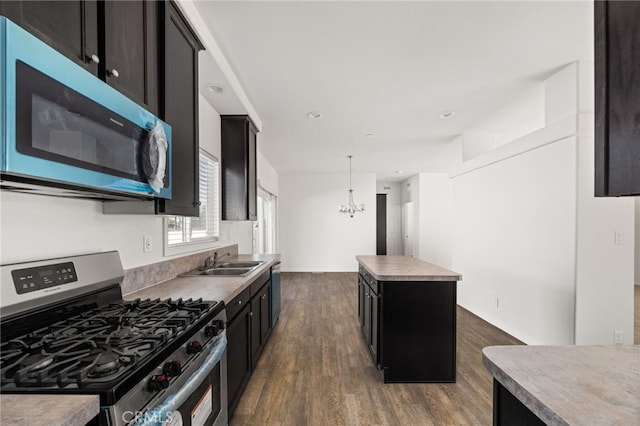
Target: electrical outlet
<point>618,337</point>
<point>619,238</point>
<point>147,245</point>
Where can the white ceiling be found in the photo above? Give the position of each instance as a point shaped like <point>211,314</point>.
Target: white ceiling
<point>385,68</point>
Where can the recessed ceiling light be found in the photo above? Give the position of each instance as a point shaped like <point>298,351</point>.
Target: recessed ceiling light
<point>314,115</point>
<point>447,114</point>
<point>369,135</point>
<point>215,88</point>
<point>398,172</point>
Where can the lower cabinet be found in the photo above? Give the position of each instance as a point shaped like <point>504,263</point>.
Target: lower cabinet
<point>238,347</point>
<point>260,324</point>
<point>409,328</point>
<point>248,329</point>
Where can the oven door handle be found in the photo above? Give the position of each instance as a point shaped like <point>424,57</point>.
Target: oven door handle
<point>163,410</point>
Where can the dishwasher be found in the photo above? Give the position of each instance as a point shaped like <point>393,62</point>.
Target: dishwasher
<point>275,293</point>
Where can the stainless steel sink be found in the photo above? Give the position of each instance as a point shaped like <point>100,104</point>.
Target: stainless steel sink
<point>238,272</point>
<point>229,269</point>
<point>240,264</point>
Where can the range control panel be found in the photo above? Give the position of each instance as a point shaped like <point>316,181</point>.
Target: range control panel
<point>40,277</point>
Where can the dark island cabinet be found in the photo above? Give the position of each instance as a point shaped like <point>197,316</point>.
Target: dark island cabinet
<point>617,98</point>
<point>114,40</point>
<point>368,308</point>
<point>238,164</point>
<point>409,328</point>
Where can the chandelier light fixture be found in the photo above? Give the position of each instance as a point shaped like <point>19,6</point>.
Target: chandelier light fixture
<point>351,208</point>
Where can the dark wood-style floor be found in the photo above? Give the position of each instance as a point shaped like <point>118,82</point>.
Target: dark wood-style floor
<point>316,369</point>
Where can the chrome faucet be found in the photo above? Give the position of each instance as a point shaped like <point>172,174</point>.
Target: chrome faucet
<point>212,261</point>
<point>216,257</point>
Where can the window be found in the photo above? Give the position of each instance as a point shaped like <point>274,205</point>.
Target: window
<point>183,231</point>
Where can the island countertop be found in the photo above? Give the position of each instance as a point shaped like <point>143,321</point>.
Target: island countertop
<point>45,410</point>
<point>565,385</point>
<point>405,268</point>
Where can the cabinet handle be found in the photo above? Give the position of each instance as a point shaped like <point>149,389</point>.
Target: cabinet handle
<point>239,302</point>
<point>250,314</point>
<point>264,296</point>
<point>93,58</point>
<point>114,73</point>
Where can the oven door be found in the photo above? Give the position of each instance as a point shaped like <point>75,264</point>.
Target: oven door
<point>200,399</point>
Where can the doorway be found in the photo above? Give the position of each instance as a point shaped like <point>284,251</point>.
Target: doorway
<point>264,228</point>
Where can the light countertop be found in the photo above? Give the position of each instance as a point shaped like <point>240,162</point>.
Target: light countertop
<point>47,410</point>
<point>405,268</point>
<point>567,385</point>
<point>209,288</point>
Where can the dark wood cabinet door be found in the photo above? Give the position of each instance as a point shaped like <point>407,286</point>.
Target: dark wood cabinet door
<point>361,300</point>
<point>265,323</point>
<point>373,342</point>
<point>179,108</point>
<point>256,345</point>
<point>617,93</point>
<point>239,181</point>
<point>70,27</point>
<point>129,41</point>
<point>238,356</point>
<point>252,177</point>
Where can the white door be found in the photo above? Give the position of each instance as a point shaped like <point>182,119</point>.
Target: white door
<point>407,228</point>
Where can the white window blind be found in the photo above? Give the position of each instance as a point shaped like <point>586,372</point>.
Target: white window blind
<point>205,227</point>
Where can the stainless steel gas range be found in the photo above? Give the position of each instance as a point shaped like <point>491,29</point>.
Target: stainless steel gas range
<point>66,330</point>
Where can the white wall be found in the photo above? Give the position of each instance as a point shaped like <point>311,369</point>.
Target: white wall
<point>314,236</point>
<point>435,218</point>
<point>604,270</point>
<point>39,227</point>
<point>513,242</point>
<point>535,247</point>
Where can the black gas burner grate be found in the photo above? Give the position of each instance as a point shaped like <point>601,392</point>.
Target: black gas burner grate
<point>98,346</point>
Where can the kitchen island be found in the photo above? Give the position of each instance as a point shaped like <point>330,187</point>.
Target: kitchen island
<point>407,312</point>
<point>563,385</point>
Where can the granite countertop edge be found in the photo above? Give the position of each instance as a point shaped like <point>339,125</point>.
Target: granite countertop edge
<point>566,384</point>
<point>417,270</point>
<point>41,409</point>
<point>536,406</point>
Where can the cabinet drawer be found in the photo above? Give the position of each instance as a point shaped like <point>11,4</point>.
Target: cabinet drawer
<point>238,302</point>
<point>259,282</point>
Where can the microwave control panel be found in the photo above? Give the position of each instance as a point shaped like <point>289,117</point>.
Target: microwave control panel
<point>41,277</point>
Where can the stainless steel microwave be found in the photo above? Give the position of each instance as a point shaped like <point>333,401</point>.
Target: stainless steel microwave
<point>66,132</point>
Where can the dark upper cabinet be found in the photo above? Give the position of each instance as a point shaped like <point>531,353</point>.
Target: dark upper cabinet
<point>71,27</point>
<point>179,108</point>
<point>617,96</point>
<point>114,40</point>
<point>129,42</point>
<point>239,179</point>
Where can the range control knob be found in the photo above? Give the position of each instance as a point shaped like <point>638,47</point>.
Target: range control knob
<point>194,347</point>
<point>214,329</point>
<point>172,368</point>
<point>158,382</point>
